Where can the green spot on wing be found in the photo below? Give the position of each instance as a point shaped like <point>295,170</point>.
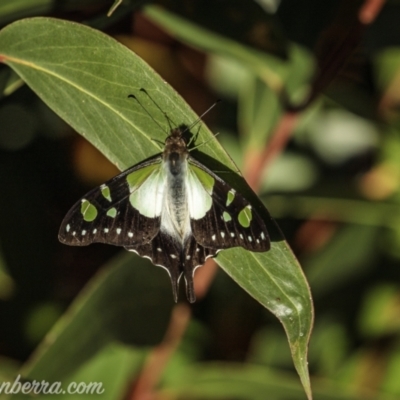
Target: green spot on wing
<point>245,216</point>
<point>135,179</point>
<point>230,197</point>
<point>112,212</point>
<point>205,178</point>
<point>105,191</point>
<point>226,217</point>
<point>88,210</point>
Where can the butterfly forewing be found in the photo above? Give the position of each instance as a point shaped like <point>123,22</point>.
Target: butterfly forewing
<point>124,211</point>
<point>230,220</point>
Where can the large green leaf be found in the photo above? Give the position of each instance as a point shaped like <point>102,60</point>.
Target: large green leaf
<point>103,336</point>
<point>85,77</point>
<point>105,376</point>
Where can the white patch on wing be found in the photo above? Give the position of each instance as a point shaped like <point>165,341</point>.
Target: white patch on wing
<point>199,200</point>
<point>148,198</point>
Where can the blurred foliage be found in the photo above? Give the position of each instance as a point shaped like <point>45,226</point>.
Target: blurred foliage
<point>334,191</point>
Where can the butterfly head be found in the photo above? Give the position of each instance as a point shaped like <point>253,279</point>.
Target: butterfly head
<point>175,150</point>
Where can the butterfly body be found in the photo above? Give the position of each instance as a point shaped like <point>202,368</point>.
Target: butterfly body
<point>171,209</point>
<point>175,219</point>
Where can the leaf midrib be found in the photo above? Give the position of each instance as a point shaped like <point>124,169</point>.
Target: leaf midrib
<point>81,89</point>
<point>254,256</point>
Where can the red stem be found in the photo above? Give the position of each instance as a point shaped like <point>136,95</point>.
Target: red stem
<point>157,360</point>
<point>330,66</point>
<point>370,10</point>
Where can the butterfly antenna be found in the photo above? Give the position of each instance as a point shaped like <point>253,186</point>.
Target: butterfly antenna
<point>170,122</point>
<point>203,143</point>
<point>198,120</point>
<point>202,115</point>
<point>132,96</point>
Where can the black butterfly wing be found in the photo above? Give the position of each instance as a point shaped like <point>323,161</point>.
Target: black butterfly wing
<point>106,213</point>
<point>177,260</point>
<point>231,220</point>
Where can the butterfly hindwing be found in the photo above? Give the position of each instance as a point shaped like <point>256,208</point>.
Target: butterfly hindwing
<point>178,261</point>
<point>230,220</point>
<point>164,252</point>
<point>124,211</point>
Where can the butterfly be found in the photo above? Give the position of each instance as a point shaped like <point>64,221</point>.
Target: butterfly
<point>171,209</point>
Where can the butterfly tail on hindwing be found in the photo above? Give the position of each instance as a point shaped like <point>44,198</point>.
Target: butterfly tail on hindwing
<point>194,255</point>
<point>164,252</point>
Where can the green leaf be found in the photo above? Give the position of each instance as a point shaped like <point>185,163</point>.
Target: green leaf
<point>252,382</point>
<point>105,376</point>
<point>247,23</point>
<point>14,9</point>
<point>293,73</point>
<point>380,313</point>
<point>85,77</point>
<point>113,308</point>
<point>113,368</point>
<point>277,282</point>
<point>256,124</point>
<point>390,380</point>
<point>348,264</point>
<point>8,368</point>
<point>387,71</point>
